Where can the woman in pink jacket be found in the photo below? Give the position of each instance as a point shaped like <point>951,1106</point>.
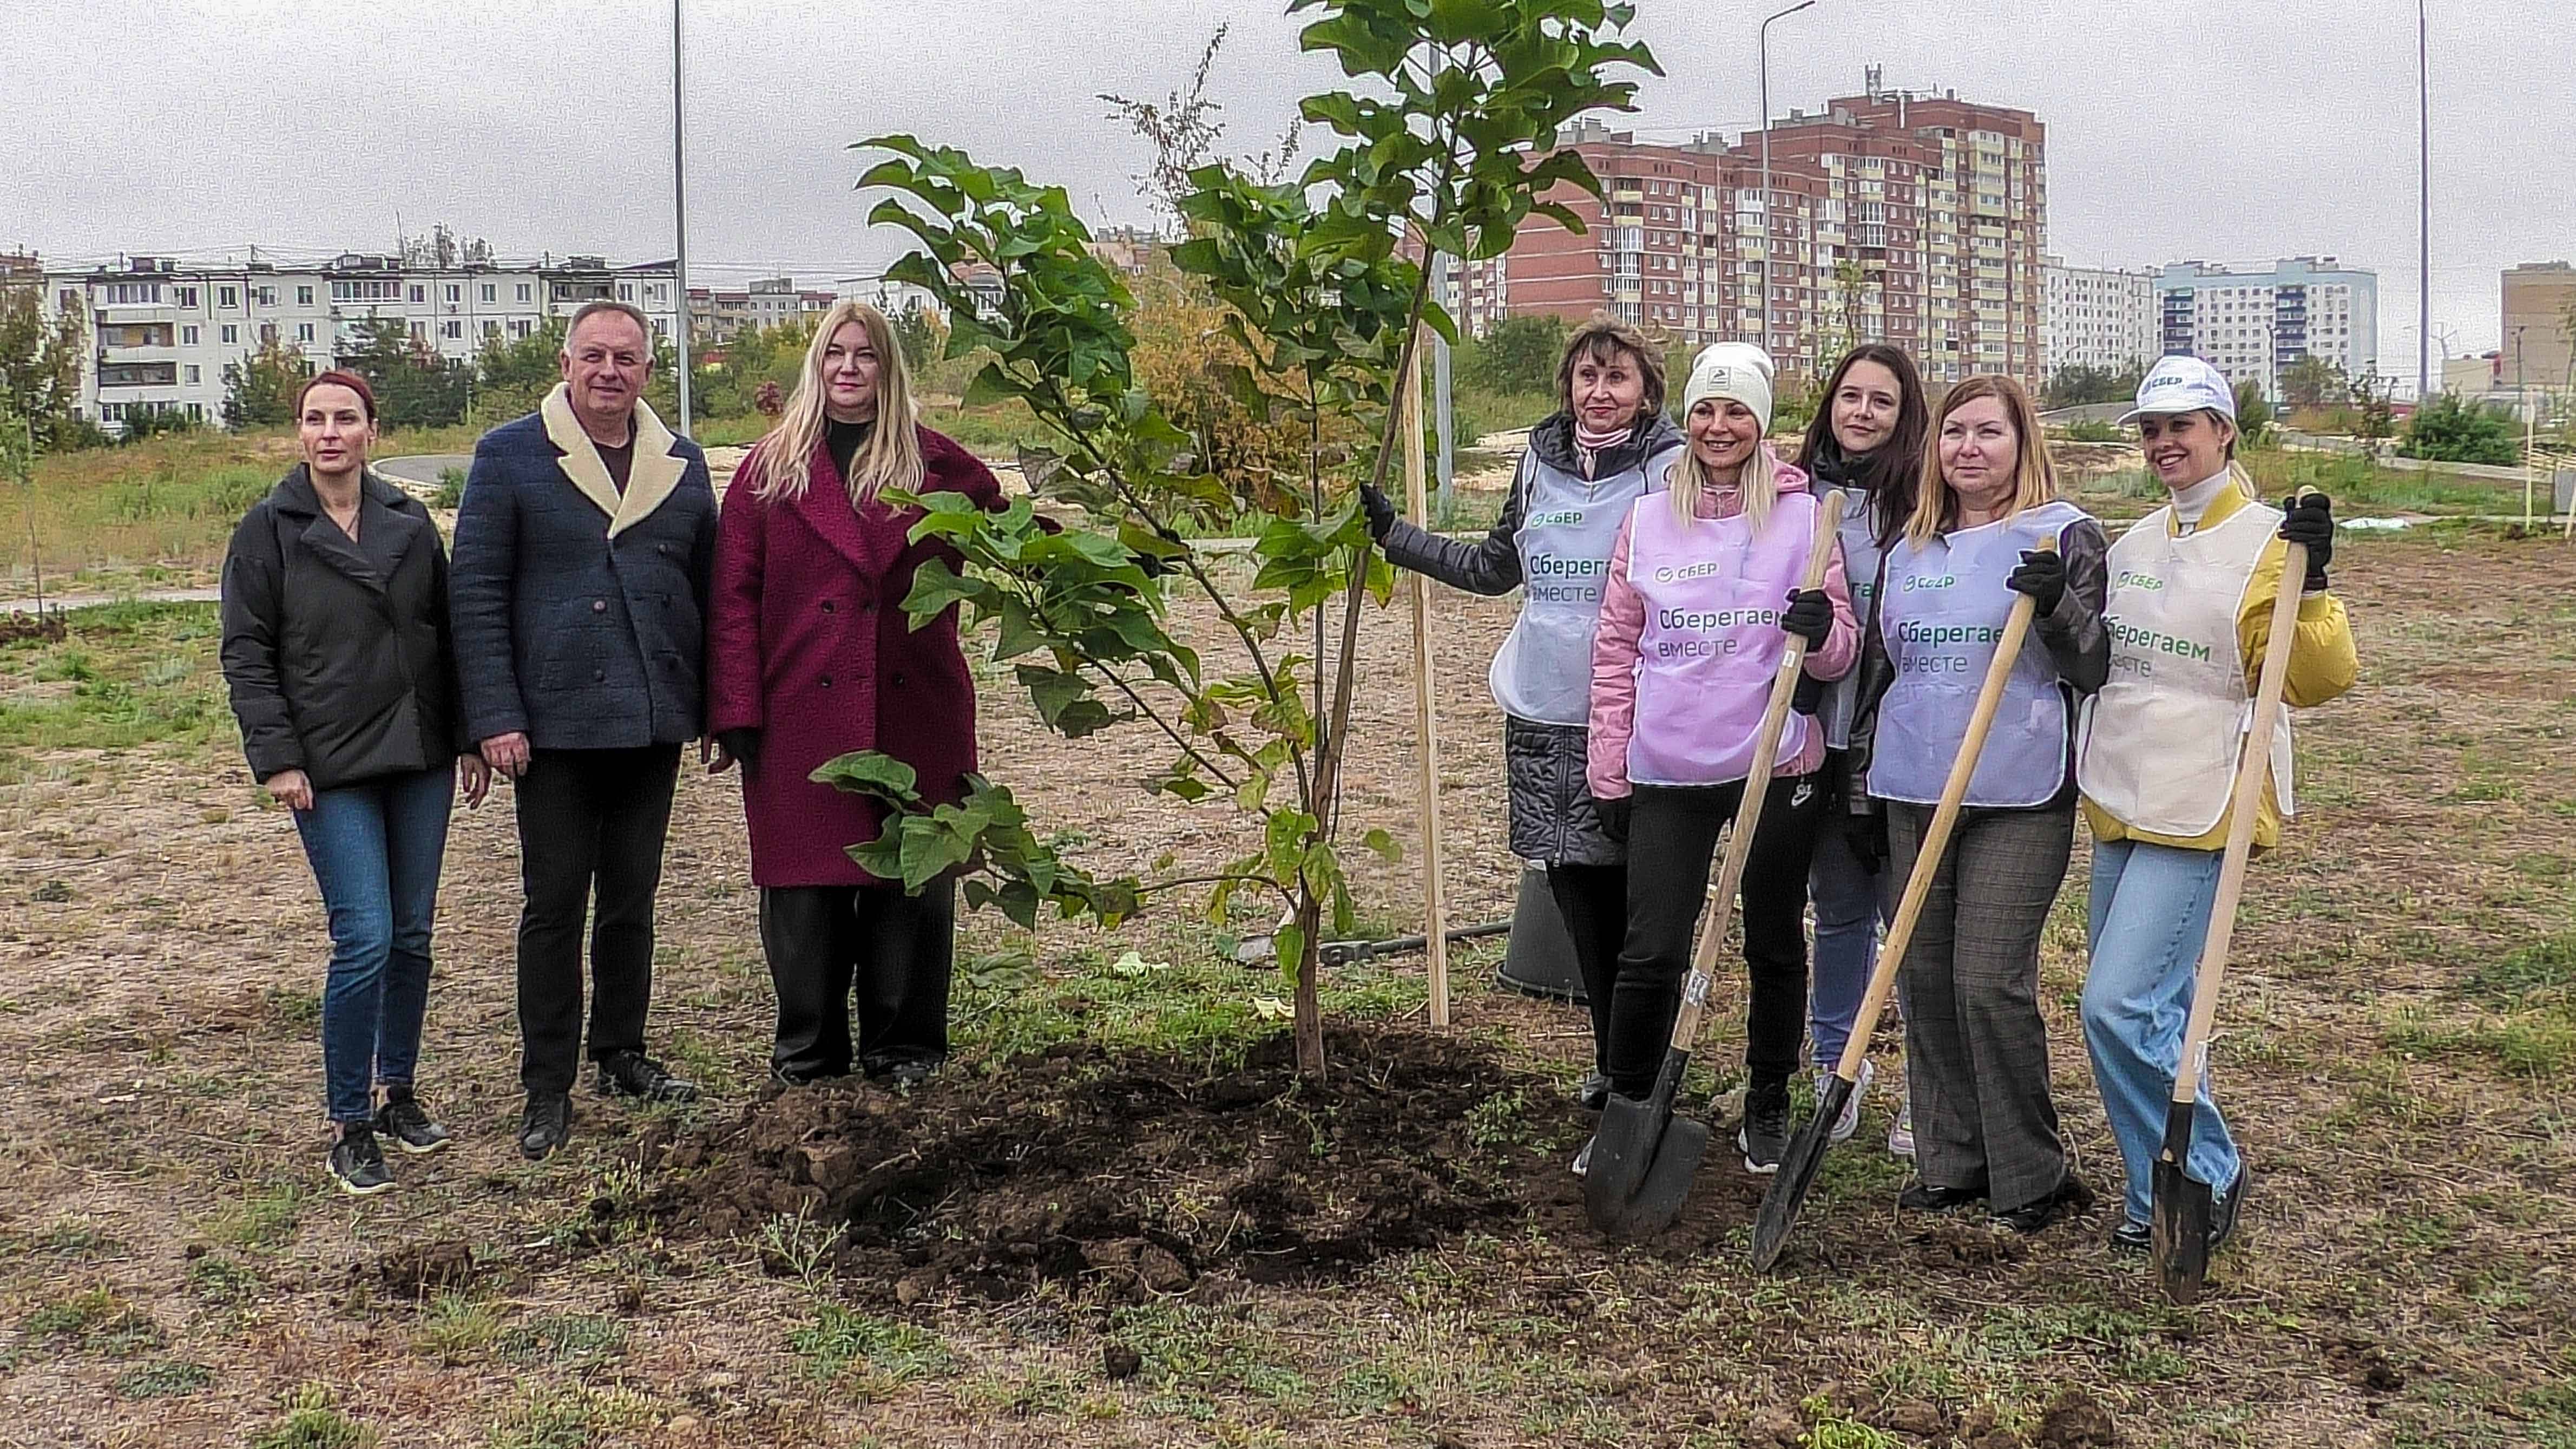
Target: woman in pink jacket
<point>1702,600</point>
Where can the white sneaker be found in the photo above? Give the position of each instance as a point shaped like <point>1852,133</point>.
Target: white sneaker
<point>1583,1159</point>
<point>1849,1122</point>
<point>1900,1133</point>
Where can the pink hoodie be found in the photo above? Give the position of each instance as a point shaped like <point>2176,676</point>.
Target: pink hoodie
<point>1623,620</point>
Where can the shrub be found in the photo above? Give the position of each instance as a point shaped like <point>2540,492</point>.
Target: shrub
<point>2451,430</point>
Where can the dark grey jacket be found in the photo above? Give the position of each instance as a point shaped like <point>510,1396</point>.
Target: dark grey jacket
<point>1553,818</point>
<point>580,612</point>
<point>337,653</point>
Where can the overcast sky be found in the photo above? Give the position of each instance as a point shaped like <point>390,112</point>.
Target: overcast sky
<point>2215,129</point>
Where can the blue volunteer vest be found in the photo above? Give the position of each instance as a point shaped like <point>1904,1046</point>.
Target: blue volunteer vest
<point>1941,613</point>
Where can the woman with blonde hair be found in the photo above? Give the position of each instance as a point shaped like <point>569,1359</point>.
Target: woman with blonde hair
<point>810,655</point>
<point>1703,597</point>
<point>1987,527</point>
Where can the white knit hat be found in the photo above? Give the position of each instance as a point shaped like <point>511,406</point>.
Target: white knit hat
<point>1735,371</point>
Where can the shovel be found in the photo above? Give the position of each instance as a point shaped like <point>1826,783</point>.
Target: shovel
<point>1642,1159</point>
<point>1806,1154</point>
<point>2183,1206</point>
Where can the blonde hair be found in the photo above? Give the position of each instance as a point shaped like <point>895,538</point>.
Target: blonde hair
<point>1936,508</point>
<point>891,456</point>
<point>1757,484</point>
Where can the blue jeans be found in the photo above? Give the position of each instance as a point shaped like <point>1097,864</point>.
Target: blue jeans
<point>1849,909</point>
<point>2149,919</point>
<point>376,847</point>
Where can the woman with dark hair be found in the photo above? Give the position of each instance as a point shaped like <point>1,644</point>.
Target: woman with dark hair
<point>1608,443</point>
<point>810,655</point>
<point>1867,440</point>
<point>1987,528</point>
<point>336,650</point>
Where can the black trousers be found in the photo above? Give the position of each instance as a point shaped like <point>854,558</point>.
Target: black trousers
<point>588,817</point>
<point>1592,900</point>
<point>1672,837</point>
<point>895,949</point>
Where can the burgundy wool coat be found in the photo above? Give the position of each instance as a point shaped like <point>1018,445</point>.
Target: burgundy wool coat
<point>807,642</point>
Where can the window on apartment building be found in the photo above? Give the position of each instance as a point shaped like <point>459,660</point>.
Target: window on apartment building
<point>490,292</point>
<point>418,293</point>
<point>304,296</point>
<point>189,373</point>
<point>187,296</point>
<point>188,336</point>
<point>230,336</point>
<point>455,292</point>
<point>303,331</point>
<point>420,332</point>
<point>626,291</point>
<point>452,329</point>
<point>523,291</point>
<point>227,297</point>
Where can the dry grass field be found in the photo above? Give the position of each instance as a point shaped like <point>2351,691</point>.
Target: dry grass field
<point>1114,1223</point>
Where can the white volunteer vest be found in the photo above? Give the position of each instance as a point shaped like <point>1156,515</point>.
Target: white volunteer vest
<point>2159,744</point>
<point>1859,533</point>
<point>1569,525</point>
<point>1941,615</point>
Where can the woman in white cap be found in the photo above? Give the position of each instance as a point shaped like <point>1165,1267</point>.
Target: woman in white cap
<point>1607,443</point>
<point>2193,585</point>
<point>1702,600</point>
<point>1988,528</point>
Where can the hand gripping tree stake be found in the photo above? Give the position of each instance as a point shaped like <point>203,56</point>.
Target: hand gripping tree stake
<point>1643,1159</point>
<point>2182,1204</point>
<point>1788,1192</point>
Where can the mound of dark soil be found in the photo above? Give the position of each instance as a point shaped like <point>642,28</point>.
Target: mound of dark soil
<point>1124,1176</point>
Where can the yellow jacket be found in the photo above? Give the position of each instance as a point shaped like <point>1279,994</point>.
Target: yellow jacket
<point>2323,664</point>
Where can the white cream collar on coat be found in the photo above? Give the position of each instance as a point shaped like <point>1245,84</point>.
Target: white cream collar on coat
<point>654,474</point>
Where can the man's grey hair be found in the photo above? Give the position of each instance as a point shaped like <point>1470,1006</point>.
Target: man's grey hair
<point>628,310</point>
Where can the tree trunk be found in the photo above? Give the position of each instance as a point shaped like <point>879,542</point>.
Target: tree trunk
<point>1310,1006</point>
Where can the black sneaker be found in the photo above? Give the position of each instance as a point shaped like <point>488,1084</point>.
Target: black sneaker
<point>1765,1133</point>
<point>633,1074</point>
<point>1594,1094</point>
<point>357,1163</point>
<point>2222,1215</point>
<point>2133,1239</point>
<point>545,1125</point>
<point>2030,1217</point>
<point>403,1119</point>
<point>1924,1197</point>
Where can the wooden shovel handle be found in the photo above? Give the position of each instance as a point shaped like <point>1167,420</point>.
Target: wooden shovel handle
<point>1757,785</point>
<point>2251,771</point>
<point>1936,836</point>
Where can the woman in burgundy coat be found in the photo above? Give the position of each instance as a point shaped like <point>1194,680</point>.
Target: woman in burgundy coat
<point>809,656</point>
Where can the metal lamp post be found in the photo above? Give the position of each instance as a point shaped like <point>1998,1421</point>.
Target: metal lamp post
<point>680,217</point>
<point>2424,203</point>
<point>1770,234</point>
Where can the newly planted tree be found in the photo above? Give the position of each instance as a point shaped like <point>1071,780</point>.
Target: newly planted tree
<point>1448,144</point>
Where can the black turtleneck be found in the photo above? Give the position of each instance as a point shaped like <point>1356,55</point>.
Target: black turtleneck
<point>845,439</point>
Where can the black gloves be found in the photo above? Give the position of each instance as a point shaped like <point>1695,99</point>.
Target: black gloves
<point>2309,519</point>
<point>1810,616</point>
<point>1381,512</point>
<point>1614,816</point>
<point>1866,835</point>
<point>2042,575</point>
<point>742,744</point>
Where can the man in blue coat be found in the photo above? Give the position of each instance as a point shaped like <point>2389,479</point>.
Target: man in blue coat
<point>584,549</point>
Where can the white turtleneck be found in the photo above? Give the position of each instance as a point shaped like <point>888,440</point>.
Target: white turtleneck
<point>2190,503</point>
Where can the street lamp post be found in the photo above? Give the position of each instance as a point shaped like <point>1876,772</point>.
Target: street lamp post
<point>680,218</point>
<point>2424,204</point>
<point>1770,233</point>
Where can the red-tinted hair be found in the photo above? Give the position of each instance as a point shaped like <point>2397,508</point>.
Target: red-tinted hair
<point>335,377</point>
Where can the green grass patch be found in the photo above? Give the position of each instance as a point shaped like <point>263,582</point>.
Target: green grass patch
<point>94,1320</point>
<point>566,1338</point>
<point>842,1339</point>
<point>572,1416</point>
<point>455,1328</point>
<point>164,1378</point>
<point>262,1217</point>
<point>2537,1042</point>
<point>312,1422</point>
<point>126,675</point>
<point>2545,968</point>
<point>219,1281</point>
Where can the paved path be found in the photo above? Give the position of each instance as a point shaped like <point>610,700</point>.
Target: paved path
<point>57,602</point>
<point>422,470</point>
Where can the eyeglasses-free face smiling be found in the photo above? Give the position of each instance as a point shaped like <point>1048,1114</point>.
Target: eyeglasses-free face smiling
<point>850,366</point>
<point>2185,448</point>
<point>1980,457</point>
<point>1865,408</point>
<point>1606,392</point>
<point>1723,433</point>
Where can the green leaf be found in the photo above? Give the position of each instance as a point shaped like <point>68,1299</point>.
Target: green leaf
<point>869,772</point>
<point>935,590</point>
<point>1384,845</point>
<point>1289,944</point>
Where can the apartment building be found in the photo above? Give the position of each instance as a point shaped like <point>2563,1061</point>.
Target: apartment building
<point>717,317</point>
<point>163,331</point>
<point>2101,317</point>
<point>2539,309</point>
<point>2252,325</point>
<point>1912,218</point>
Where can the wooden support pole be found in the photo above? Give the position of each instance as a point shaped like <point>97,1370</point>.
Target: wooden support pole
<point>1435,928</point>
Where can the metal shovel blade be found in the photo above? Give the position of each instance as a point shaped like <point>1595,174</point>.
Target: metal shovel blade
<point>2182,1213</point>
<point>1643,1159</point>
<point>1788,1193</point>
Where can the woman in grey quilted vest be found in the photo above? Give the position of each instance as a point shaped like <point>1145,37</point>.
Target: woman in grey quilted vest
<point>1608,442</point>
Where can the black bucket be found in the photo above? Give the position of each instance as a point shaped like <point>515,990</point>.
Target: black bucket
<point>1540,959</point>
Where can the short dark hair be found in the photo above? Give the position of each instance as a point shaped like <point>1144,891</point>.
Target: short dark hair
<point>627,310</point>
<point>337,378</point>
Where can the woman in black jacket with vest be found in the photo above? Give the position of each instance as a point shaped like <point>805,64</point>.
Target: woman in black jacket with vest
<point>337,654</point>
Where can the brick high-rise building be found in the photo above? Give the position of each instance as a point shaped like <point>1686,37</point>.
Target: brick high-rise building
<point>1915,219</point>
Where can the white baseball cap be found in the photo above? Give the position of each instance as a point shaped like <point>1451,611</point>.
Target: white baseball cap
<point>2183,384</point>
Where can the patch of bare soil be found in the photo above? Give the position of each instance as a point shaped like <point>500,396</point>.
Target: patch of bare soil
<point>1119,1176</point>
